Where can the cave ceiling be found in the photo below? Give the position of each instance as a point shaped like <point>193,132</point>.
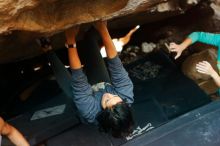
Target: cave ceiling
<point>22,21</point>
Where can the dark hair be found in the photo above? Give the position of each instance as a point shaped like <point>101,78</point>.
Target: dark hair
<point>117,120</point>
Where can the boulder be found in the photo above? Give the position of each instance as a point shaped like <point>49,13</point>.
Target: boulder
<point>22,21</point>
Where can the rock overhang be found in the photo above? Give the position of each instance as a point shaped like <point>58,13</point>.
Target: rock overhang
<point>23,21</point>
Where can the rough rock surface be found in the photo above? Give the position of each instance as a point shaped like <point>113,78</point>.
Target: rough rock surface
<point>22,21</point>
<point>50,16</point>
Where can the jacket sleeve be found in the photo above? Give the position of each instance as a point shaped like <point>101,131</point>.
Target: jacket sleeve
<point>120,80</point>
<point>204,37</point>
<point>86,104</point>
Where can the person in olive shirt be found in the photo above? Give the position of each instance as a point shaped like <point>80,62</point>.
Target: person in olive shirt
<point>108,107</point>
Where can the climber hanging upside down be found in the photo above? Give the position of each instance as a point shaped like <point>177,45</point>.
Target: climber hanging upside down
<point>109,107</point>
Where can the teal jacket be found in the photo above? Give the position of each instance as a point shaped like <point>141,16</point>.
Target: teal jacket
<point>208,38</point>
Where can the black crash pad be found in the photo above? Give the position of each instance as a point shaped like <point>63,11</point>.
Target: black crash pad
<point>82,135</point>
<point>39,130</point>
<point>175,93</point>
<point>196,128</point>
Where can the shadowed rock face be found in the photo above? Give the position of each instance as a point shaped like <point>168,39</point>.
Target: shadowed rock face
<point>22,21</point>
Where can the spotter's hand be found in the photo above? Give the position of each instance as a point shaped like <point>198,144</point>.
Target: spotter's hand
<point>205,67</point>
<point>176,48</point>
